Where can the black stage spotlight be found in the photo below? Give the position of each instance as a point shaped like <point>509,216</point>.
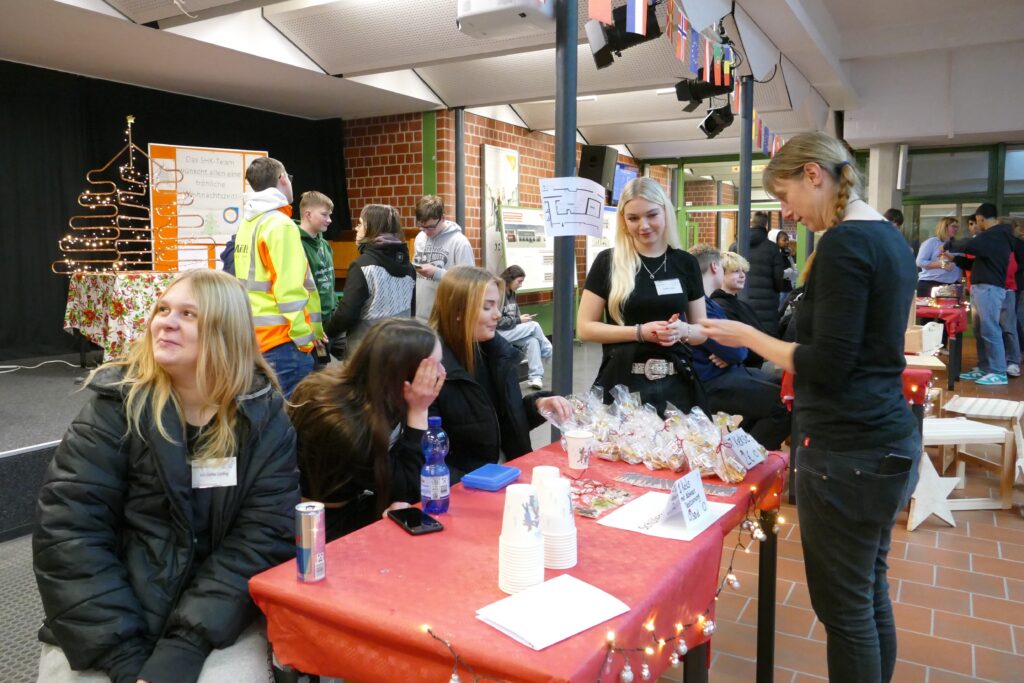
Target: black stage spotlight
<point>606,41</point>
<point>696,90</point>
<point>717,120</point>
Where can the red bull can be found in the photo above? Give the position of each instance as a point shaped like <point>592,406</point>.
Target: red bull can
<point>310,539</point>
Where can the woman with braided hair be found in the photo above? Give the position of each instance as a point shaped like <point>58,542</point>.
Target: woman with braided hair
<point>856,464</point>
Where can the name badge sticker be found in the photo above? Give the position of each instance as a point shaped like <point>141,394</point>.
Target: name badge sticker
<point>666,287</point>
<point>210,474</point>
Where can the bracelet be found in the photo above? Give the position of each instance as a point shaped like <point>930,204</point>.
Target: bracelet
<point>640,333</point>
<point>686,337</point>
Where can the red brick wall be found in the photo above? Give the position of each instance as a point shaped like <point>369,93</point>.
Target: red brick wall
<point>384,163</point>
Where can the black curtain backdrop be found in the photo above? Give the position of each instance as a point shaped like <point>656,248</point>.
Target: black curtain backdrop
<point>54,127</point>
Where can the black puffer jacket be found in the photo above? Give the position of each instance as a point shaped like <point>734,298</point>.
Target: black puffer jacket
<point>477,428</point>
<point>113,548</point>
<point>766,279</point>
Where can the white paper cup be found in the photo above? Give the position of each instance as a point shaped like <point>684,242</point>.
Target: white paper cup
<point>579,444</point>
<point>556,515</point>
<point>543,473</point>
<point>520,522</point>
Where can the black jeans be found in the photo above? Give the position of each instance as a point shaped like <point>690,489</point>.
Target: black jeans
<point>752,394</point>
<point>847,502</point>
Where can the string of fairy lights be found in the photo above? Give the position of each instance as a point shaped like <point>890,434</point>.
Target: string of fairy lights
<point>117,233</point>
<point>748,532</point>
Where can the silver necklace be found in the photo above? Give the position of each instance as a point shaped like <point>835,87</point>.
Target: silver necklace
<point>650,272</point>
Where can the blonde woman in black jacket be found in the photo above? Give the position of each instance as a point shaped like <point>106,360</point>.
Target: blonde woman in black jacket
<point>175,484</point>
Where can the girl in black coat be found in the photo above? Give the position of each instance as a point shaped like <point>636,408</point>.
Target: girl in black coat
<point>481,405</point>
<point>359,424</point>
<point>174,485</point>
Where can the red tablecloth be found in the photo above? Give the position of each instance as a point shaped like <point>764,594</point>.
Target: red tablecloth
<point>364,621</point>
<point>915,386</point>
<point>955,317</point>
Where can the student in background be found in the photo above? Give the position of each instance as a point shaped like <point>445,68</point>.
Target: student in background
<point>315,217</point>
<point>270,261</point>
<point>439,246</point>
<point>381,282</point>
<point>146,536</point>
<point>937,268</point>
<point>521,329</point>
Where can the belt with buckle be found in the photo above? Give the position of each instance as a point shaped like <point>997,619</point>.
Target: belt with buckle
<point>654,368</point>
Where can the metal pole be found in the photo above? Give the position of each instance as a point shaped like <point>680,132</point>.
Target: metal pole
<point>566,39</point>
<point>460,166</point>
<point>746,157</point>
<point>766,573</point>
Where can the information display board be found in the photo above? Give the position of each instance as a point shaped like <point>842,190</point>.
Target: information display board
<point>595,245</point>
<point>196,200</point>
<point>525,244</point>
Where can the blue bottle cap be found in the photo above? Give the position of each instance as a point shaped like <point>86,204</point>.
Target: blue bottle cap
<point>434,421</point>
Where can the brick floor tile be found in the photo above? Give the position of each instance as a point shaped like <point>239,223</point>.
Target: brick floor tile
<point>1011,551</point>
<point>972,582</point>
<point>997,567</point>
<point>979,546</point>
<point>898,550</point>
<point>800,654</point>
<point>998,666</point>
<point>792,620</point>
<point>807,678</point>
<point>730,605</point>
<point>930,596</point>
<point>998,533</point>
<point>945,558</point>
<point>1018,640</point>
<point>1015,590</point>
<point>728,669</point>
<point>799,597</point>
<point>912,617</point>
<point>970,630</point>
<point>940,676</point>
<point>952,655</point>
<point>917,537</point>
<point>734,638</point>
<point>1009,519</point>
<point>912,571</point>
<point>908,672</point>
<point>986,607</point>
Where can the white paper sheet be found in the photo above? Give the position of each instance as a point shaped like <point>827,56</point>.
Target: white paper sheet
<point>644,515</point>
<point>572,206</point>
<point>552,611</point>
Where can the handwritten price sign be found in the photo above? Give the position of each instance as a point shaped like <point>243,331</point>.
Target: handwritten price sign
<point>687,500</point>
<point>748,451</point>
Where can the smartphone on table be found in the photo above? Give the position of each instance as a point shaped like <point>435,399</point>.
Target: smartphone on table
<point>415,521</point>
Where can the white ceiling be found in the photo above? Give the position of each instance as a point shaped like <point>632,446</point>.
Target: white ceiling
<point>360,58</point>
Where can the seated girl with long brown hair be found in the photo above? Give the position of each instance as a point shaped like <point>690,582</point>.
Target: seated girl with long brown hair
<point>359,424</point>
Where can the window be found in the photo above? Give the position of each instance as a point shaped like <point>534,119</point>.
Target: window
<point>1014,182</point>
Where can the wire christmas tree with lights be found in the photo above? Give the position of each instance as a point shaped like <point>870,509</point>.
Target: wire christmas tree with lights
<point>115,234</point>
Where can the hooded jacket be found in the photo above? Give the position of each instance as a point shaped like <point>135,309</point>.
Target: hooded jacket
<point>113,549</point>
<point>477,429</point>
<point>991,251</point>
<point>447,249</point>
<point>320,257</point>
<point>766,279</point>
<point>381,284</point>
<point>270,261</point>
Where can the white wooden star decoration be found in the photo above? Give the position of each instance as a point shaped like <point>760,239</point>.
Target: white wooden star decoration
<point>931,496</point>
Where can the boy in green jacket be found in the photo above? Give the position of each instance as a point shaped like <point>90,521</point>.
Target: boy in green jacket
<point>315,211</point>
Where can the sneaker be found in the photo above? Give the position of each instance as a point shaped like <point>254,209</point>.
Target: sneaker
<point>973,375</point>
<point>1013,370</point>
<point>992,379</point>
<point>536,383</point>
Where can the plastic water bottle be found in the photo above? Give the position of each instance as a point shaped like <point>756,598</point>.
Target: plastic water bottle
<point>434,477</point>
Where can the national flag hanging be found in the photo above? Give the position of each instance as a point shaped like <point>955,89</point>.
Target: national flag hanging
<point>683,29</point>
<point>680,44</point>
<point>753,127</point>
<point>764,140</point>
<point>718,63</point>
<point>671,16</point>
<point>760,131</point>
<point>736,97</point>
<point>601,10</point>
<point>636,16</point>
<point>709,60</point>
<point>694,51</point>
<point>726,65</point>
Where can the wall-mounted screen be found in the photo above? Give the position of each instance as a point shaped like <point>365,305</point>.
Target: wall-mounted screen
<point>623,174</point>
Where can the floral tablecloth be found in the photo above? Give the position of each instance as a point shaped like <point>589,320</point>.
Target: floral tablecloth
<point>111,309</point>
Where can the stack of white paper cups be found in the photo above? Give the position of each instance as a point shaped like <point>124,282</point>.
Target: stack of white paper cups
<point>557,524</point>
<point>542,473</point>
<point>521,544</point>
